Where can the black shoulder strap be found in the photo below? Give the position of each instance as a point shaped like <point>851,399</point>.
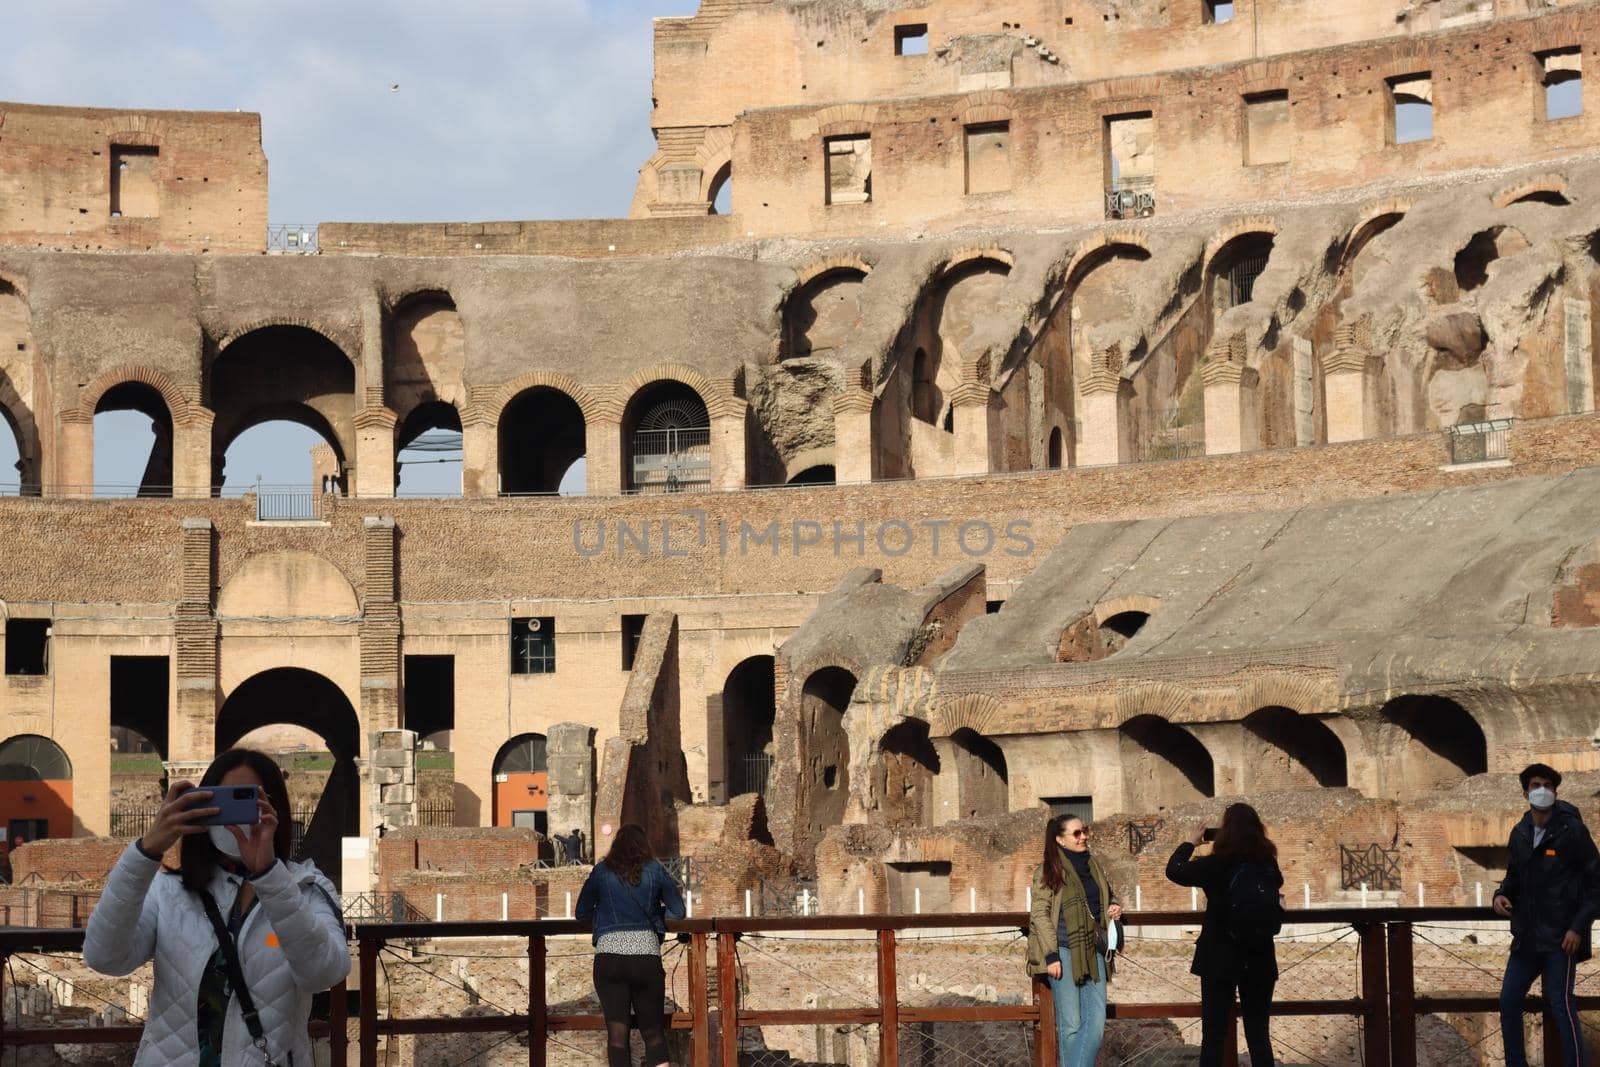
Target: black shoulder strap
<point>230,956</point>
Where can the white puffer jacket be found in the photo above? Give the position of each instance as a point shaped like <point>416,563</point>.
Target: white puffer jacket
<point>292,945</point>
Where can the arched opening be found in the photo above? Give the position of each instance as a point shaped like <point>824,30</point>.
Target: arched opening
<point>13,471</point>
<point>1163,764</point>
<point>1293,751</point>
<point>1235,268</point>
<point>927,399</point>
<point>826,772</point>
<point>542,436</point>
<point>748,709</point>
<point>35,789</point>
<point>722,190</point>
<point>1089,639</point>
<point>666,438</point>
<point>1365,234</point>
<point>820,474</point>
<point>1473,260</point>
<point>295,697</point>
<point>905,770</point>
<point>428,452</point>
<point>522,784</point>
<point>270,377</point>
<point>952,320</point>
<point>820,316</point>
<point>132,442</point>
<point>981,779</point>
<point>1443,743</point>
<point>1056,450</point>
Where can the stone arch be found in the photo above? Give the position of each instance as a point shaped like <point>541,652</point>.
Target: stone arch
<point>749,709</point>
<point>521,783</point>
<point>424,352</point>
<point>718,401</point>
<point>821,313</point>
<point>1292,751</point>
<point>178,405</point>
<point>714,156</point>
<point>1543,188</point>
<point>903,771</point>
<point>977,712</point>
<point>973,780</point>
<point>825,746</point>
<point>156,479</point>
<point>1164,762</point>
<point>1095,250</point>
<point>666,437</point>
<point>288,584</point>
<point>33,758</point>
<point>540,433</point>
<point>1246,227</point>
<point>35,788</point>
<point>1436,742</point>
<point>1166,700</point>
<point>337,338</point>
<point>1374,220</point>
<point>944,327</point>
<point>1055,449</point>
<point>1235,259</point>
<point>588,401</point>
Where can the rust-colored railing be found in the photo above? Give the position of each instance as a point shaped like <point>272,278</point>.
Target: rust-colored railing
<point>1386,1004</point>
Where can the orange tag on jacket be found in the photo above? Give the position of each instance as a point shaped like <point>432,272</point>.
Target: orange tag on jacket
<point>1549,852</point>
<point>272,939</point>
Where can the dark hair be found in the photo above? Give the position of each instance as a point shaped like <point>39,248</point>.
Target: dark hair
<point>197,856</point>
<point>1539,770</point>
<point>630,851</point>
<point>1054,873</point>
<point>1242,838</point>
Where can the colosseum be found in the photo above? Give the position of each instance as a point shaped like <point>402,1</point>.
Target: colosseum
<point>984,408</point>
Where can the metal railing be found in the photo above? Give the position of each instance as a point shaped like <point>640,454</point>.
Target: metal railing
<point>298,237</point>
<point>1131,197</point>
<point>754,772</point>
<point>1479,442</point>
<point>1354,985</point>
<point>277,504</point>
<point>672,459</point>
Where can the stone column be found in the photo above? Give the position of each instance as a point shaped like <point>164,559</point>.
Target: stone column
<point>392,768</point>
<point>1348,374</point>
<point>569,754</point>
<point>380,649</point>
<point>1105,436</point>
<point>480,451</point>
<point>728,443</point>
<point>74,465</point>
<point>1230,399</point>
<point>192,718</point>
<point>975,410</point>
<point>374,473</point>
<point>603,449</point>
<point>852,436</point>
<point>191,453</point>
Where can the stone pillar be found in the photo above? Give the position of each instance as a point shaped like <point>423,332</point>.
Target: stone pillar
<point>191,453</point>
<point>1348,375</point>
<point>374,473</point>
<point>380,644</point>
<point>728,443</point>
<point>480,452</point>
<point>852,436</point>
<point>569,754</point>
<point>603,451</point>
<point>975,410</point>
<point>392,769</point>
<point>1230,398</point>
<point>1105,432</point>
<point>74,465</point>
<point>192,718</point>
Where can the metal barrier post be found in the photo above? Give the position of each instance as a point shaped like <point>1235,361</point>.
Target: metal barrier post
<point>1374,995</point>
<point>1044,1030</point>
<point>699,1002</point>
<point>728,996</point>
<point>369,1001</point>
<point>1402,996</point>
<point>538,1008</point>
<point>888,1001</point>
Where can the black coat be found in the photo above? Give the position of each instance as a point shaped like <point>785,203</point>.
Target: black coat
<point>1216,955</point>
<point>1552,888</point>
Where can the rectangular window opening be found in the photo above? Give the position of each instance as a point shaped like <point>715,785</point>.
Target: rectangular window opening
<point>849,166</point>
<point>1082,807</point>
<point>1130,165</point>
<point>632,630</point>
<point>1561,75</point>
<point>1267,128</point>
<point>1411,118</point>
<point>134,190</point>
<point>533,646</point>
<point>992,607</point>
<point>140,688</point>
<point>1218,11</point>
<point>911,40</point>
<point>27,646</point>
<point>430,697</point>
<point>988,157</point>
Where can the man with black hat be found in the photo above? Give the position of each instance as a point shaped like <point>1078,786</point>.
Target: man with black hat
<point>1551,894</point>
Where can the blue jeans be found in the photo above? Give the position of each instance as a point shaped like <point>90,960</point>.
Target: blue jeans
<point>1080,1015</point>
<point>1558,971</point>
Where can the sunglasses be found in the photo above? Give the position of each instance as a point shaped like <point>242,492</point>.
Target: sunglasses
<point>1080,832</point>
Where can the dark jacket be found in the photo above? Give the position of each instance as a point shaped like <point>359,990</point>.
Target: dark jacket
<point>612,904</point>
<point>1552,888</point>
<point>1216,955</point>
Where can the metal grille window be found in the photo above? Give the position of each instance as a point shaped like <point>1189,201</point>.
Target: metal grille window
<point>1479,442</point>
<point>1242,278</point>
<point>533,646</point>
<point>672,446</point>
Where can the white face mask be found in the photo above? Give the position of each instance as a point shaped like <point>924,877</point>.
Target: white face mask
<point>1541,798</point>
<point>223,840</point>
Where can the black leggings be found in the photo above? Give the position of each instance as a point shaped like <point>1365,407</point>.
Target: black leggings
<point>1216,1003</point>
<point>632,986</point>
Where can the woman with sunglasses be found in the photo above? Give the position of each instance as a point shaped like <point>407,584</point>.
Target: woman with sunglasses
<point>1072,905</point>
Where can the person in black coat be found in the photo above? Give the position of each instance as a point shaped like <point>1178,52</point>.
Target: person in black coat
<point>1223,963</point>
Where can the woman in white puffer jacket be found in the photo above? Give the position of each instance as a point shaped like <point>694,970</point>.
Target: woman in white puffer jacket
<point>283,916</point>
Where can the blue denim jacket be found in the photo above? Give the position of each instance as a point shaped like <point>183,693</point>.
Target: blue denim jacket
<point>613,904</point>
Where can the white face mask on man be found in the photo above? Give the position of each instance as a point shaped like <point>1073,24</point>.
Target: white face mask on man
<point>1542,798</point>
<point>223,840</point>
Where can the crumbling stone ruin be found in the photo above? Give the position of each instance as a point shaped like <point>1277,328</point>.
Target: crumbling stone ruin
<point>1169,403</point>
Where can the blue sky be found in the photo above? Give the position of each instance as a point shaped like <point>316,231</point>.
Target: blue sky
<point>505,110</point>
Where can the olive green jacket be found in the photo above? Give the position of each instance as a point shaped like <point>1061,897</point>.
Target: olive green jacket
<point>1045,917</point>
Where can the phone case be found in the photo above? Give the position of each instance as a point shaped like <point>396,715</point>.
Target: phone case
<point>238,806</point>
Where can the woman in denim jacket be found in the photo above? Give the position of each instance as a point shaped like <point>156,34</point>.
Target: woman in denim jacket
<point>629,897</point>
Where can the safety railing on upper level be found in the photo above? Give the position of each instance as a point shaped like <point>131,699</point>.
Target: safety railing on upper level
<point>1355,985</point>
<point>298,237</point>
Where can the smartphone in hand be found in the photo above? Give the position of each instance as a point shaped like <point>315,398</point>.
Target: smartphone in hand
<point>238,806</point>
<point>1210,835</point>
